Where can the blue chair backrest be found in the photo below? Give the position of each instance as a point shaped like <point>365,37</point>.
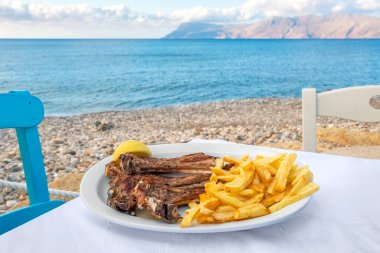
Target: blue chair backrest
<point>22,111</point>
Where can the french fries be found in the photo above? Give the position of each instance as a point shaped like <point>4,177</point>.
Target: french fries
<point>250,188</point>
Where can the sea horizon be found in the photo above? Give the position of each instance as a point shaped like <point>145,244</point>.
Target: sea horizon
<point>190,39</point>
<point>75,76</point>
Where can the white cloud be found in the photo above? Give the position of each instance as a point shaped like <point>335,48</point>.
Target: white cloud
<point>252,9</point>
<point>86,15</point>
<point>368,5</point>
<point>258,9</point>
<point>338,8</point>
<point>267,8</point>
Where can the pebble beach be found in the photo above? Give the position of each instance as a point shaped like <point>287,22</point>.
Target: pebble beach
<point>73,144</point>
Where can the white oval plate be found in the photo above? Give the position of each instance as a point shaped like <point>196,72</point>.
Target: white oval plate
<point>94,186</point>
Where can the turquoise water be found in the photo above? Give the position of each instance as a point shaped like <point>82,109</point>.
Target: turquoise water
<point>81,76</point>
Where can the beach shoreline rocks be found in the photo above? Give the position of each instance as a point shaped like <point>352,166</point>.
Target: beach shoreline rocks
<point>73,144</point>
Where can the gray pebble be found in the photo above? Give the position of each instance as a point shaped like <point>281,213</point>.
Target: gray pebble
<point>259,140</point>
<point>284,138</point>
<point>240,138</point>
<point>70,169</point>
<point>7,161</point>
<point>70,152</point>
<point>105,126</point>
<point>58,141</point>
<point>14,178</point>
<point>16,168</point>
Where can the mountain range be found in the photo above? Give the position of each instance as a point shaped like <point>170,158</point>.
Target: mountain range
<point>336,26</point>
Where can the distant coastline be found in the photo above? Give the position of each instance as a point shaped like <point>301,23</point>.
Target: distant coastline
<point>335,26</point>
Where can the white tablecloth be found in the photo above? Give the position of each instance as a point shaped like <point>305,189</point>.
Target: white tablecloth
<point>344,216</point>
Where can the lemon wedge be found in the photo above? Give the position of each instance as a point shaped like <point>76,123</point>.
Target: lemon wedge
<point>132,147</point>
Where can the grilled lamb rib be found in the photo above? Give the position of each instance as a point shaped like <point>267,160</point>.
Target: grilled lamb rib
<point>159,195</point>
<point>193,163</point>
<point>132,188</point>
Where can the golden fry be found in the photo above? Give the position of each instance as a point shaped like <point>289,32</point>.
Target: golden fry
<point>248,192</point>
<point>250,211</point>
<point>264,173</point>
<point>223,217</point>
<point>228,178</point>
<point>220,172</point>
<point>219,163</point>
<point>299,183</point>
<point>293,174</point>
<point>235,170</point>
<point>243,158</point>
<point>283,172</point>
<point>309,189</point>
<point>278,197</point>
<point>240,182</point>
<point>272,187</point>
<point>220,186</point>
<point>306,191</point>
<point>192,204</point>
<point>259,187</point>
<point>264,168</point>
<point>255,199</point>
<point>304,172</point>
<point>205,219</point>
<point>225,209</point>
<point>256,179</point>
<point>210,203</point>
<point>211,187</point>
<point>273,199</point>
<point>247,165</point>
<point>238,196</point>
<point>213,178</point>
<point>247,170</point>
<point>189,216</point>
<point>227,199</point>
<point>271,159</point>
<point>231,160</point>
<point>205,211</point>
<point>203,197</point>
<point>272,170</point>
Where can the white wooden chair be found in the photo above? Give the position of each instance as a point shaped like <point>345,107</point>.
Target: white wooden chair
<point>361,103</point>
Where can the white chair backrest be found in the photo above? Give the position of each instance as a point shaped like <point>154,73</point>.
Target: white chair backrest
<point>361,103</point>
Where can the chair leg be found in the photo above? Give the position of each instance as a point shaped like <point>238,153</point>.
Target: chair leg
<point>309,120</point>
<point>31,155</point>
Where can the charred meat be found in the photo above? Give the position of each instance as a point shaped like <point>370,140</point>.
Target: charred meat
<point>140,183</point>
<point>194,163</point>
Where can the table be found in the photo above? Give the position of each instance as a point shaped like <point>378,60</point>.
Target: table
<point>342,217</point>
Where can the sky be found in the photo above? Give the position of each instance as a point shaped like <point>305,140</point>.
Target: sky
<point>151,18</point>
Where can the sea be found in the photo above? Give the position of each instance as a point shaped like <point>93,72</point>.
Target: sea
<point>84,76</point>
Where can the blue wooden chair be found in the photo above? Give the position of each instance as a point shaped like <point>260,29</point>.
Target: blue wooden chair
<point>22,111</point>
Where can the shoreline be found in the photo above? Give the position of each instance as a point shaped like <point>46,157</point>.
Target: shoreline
<point>234,100</point>
<point>72,144</point>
